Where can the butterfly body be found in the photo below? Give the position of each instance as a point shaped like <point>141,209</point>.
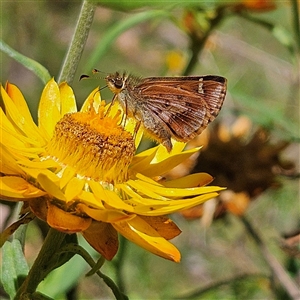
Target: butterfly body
<point>170,107</point>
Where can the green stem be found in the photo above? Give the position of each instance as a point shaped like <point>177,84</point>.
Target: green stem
<point>40,268</point>
<point>277,270</point>
<point>214,286</point>
<point>296,22</point>
<point>119,263</point>
<point>197,44</point>
<point>78,42</point>
<point>76,249</point>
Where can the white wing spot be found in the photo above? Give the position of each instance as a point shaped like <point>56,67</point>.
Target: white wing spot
<point>200,87</point>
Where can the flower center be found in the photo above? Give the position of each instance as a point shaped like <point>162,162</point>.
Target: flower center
<point>94,145</point>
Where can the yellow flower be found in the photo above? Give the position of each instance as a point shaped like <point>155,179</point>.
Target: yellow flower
<point>175,61</point>
<point>78,171</point>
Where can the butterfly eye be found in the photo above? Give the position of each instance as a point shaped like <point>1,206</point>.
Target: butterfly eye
<point>118,83</point>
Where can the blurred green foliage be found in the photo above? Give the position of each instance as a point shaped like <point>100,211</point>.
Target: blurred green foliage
<point>256,50</point>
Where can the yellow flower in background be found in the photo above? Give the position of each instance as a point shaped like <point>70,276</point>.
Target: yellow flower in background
<point>175,61</point>
<point>79,172</point>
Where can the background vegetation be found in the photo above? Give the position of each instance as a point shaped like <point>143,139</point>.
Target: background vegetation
<point>255,44</point>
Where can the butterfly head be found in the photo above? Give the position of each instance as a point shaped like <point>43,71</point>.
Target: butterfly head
<point>116,82</point>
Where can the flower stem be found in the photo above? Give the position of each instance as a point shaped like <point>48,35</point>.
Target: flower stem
<point>76,249</point>
<point>40,268</point>
<point>296,23</point>
<point>78,42</point>
<point>119,263</point>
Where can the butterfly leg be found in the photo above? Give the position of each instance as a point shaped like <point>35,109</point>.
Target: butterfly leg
<point>136,128</point>
<point>157,130</point>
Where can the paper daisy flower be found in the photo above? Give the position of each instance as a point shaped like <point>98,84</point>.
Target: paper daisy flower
<point>79,172</point>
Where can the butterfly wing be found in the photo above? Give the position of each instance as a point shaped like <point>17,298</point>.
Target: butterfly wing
<point>186,105</point>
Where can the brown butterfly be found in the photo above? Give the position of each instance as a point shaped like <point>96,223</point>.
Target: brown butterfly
<point>170,107</point>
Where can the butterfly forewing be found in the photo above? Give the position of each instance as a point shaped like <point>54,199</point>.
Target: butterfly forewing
<point>185,104</point>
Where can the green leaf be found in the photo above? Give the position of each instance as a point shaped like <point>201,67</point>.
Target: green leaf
<point>14,267</point>
<point>39,296</point>
<point>283,36</point>
<point>137,4</point>
<point>271,117</point>
<point>27,62</point>
<point>115,31</point>
<point>59,281</point>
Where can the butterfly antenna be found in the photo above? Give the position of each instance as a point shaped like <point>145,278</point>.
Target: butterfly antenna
<point>94,72</point>
<point>83,76</point>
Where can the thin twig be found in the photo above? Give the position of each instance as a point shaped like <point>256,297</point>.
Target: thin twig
<point>279,272</point>
<point>215,285</point>
<point>197,44</point>
<point>77,249</point>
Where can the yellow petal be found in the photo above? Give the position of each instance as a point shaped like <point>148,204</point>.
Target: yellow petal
<point>162,152</point>
<point>90,200</point>
<point>147,179</point>
<point>17,188</point>
<point>141,233</point>
<point>172,206</point>
<point>34,173</point>
<point>114,109</point>
<point>68,102</point>
<point>147,204</point>
<point>50,187</point>
<point>23,151</point>
<point>49,108</point>
<point>64,221</point>
<point>140,198</point>
<point>74,188</point>
<point>18,99</point>
<point>189,181</point>
<point>94,98</point>
<point>13,139</point>
<point>44,164</point>
<point>104,215</point>
<point>155,155</point>
<point>39,206</point>
<point>8,164</point>
<point>155,169</point>
<point>67,175</point>
<point>142,189</point>
<point>159,191</point>
<point>103,238</point>
<point>163,225</point>
<point>134,198</point>
<point>109,197</point>
<point>9,135</point>
<point>143,159</point>
<point>17,110</point>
